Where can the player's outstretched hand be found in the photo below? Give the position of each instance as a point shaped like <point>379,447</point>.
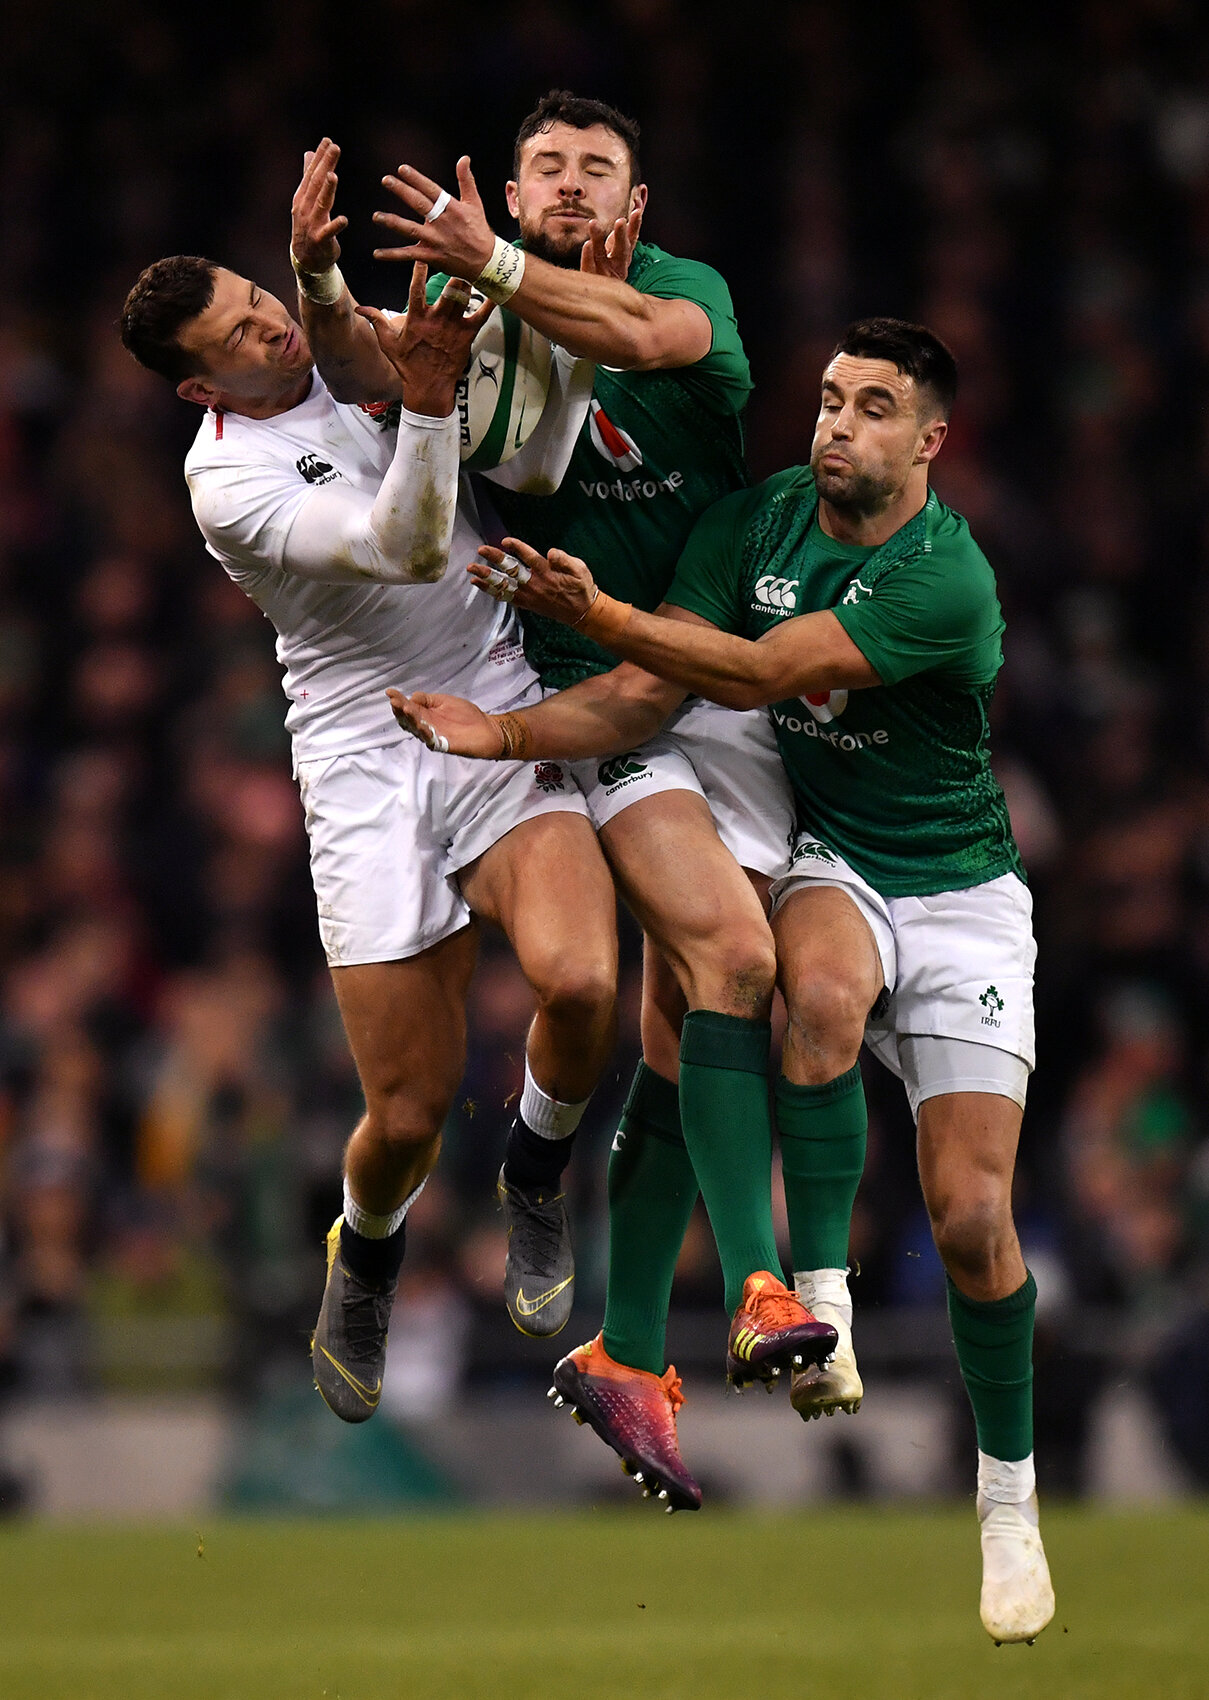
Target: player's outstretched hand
<point>429,346</point>
<point>607,253</point>
<point>557,585</point>
<point>314,232</point>
<point>449,232</point>
<point>450,725</point>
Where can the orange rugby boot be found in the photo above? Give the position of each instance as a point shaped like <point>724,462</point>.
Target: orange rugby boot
<point>773,1331</point>
<point>634,1412</point>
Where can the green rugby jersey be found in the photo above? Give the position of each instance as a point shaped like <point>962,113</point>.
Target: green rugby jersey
<point>896,779</point>
<point>657,449</point>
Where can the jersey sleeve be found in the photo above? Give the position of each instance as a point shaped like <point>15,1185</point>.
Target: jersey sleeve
<point>935,614</point>
<point>246,513</point>
<point>724,369</point>
<point>709,574</point>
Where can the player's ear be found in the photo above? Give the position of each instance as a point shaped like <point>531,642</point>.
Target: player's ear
<point>512,198</point>
<point>197,390</point>
<point>638,197</point>
<point>931,440</point>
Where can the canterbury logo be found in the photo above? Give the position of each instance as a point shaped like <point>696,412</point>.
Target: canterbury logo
<point>370,1395</point>
<point>530,1307</point>
<point>778,593</point>
<point>617,768</point>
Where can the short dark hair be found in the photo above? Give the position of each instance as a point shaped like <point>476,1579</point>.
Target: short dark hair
<point>166,295</point>
<point>560,106</point>
<point>916,351</point>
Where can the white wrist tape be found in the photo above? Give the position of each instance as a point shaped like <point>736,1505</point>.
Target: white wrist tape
<point>323,288</point>
<point>501,277</point>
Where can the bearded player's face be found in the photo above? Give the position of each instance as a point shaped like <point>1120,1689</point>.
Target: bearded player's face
<point>567,177</point>
<point>246,343</point>
<point>871,429</point>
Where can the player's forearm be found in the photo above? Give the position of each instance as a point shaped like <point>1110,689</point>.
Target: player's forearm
<point>346,351</point>
<point>403,535</point>
<point>725,669</point>
<point>541,465</point>
<point>600,716</point>
<point>597,318</point>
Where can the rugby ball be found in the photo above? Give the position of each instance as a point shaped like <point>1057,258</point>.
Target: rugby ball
<point>503,389</point>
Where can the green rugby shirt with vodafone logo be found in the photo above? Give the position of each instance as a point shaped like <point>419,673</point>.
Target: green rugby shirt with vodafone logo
<point>656,450</point>
<point>897,778</point>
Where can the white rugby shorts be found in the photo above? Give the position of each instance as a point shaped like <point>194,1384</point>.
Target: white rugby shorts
<point>391,827</point>
<point>727,757</point>
<point>958,966</point>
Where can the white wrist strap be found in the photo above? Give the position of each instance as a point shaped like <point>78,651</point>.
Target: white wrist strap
<point>323,288</point>
<point>501,277</point>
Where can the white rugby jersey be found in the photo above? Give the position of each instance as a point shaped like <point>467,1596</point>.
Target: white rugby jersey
<point>341,644</point>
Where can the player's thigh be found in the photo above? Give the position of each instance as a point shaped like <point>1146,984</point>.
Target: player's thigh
<point>406,1026</point>
<point>546,883</point>
<point>682,883</point>
<point>967,1144</point>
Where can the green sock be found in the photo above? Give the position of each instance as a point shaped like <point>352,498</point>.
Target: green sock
<point>994,1341</point>
<point>652,1191</point>
<point>728,1131</point>
<point>823,1131</point>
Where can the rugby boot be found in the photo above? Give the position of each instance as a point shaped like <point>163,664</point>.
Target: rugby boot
<point>539,1276</point>
<point>634,1412</point>
<point>1017,1595</point>
<point>835,1384</point>
<point>348,1347</point>
<point>773,1331</point>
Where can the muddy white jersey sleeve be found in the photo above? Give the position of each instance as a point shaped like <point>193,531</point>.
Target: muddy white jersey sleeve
<point>342,643</point>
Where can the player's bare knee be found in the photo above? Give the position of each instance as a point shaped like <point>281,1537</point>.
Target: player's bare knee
<point>576,988</point>
<point>402,1123</point>
<point>747,971</point>
<point>971,1235</point>
<point>827,1011</point>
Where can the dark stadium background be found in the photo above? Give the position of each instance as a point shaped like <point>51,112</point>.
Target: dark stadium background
<point>174,1089</point>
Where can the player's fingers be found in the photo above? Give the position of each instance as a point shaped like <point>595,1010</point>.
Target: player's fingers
<point>383,328</point>
<point>411,720</point>
<point>402,254</point>
<point>333,227</point>
<point>403,226</point>
<point>415,292</point>
<point>408,177</point>
<point>500,586</point>
<point>480,315</point>
<point>466,184</point>
<point>454,299</point>
<point>531,557</point>
<point>415,200</point>
<point>490,554</point>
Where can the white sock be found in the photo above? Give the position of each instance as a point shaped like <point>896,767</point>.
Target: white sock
<point>377,1227</point>
<point>1004,1482</point>
<point>545,1115</point>
<point>824,1286</point>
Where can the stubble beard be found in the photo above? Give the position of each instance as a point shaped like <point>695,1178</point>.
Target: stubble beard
<point>858,494</point>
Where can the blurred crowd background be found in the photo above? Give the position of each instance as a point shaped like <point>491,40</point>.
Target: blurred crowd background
<point>174,1086</point>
